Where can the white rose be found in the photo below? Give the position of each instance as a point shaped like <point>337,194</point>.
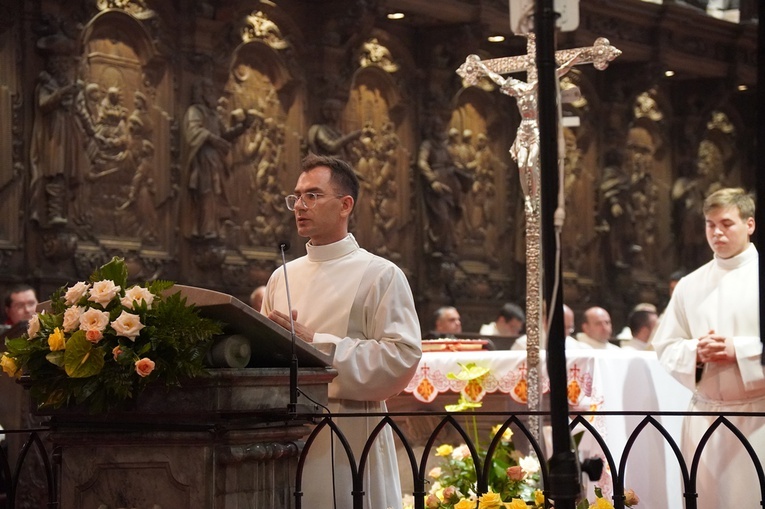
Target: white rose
<point>103,292</point>
<point>529,464</point>
<point>33,327</point>
<point>93,319</point>
<point>128,325</point>
<point>75,293</point>
<point>137,294</point>
<point>72,318</point>
<point>460,453</point>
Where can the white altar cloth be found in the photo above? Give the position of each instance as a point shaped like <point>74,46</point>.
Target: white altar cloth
<point>599,380</point>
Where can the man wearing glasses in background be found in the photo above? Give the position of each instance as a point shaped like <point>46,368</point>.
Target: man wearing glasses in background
<point>361,303</point>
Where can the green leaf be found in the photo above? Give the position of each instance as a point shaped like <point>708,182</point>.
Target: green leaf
<point>81,359</point>
<point>56,358</point>
<point>115,270</point>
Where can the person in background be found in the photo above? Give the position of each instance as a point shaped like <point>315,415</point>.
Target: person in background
<point>256,297</point>
<point>597,329</point>
<point>642,322</point>
<point>510,322</point>
<point>362,304</point>
<point>568,327</point>
<point>447,322</point>
<point>709,340</point>
<point>20,307</point>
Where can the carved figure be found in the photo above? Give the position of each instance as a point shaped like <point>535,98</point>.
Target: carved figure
<point>628,198</point>
<point>326,138</point>
<point>56,155</point>
<point>445,183</point>
<point>482,214</point>
<point>688,194</point>
<point>207,147</point>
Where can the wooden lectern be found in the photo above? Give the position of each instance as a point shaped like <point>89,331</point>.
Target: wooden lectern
<point>219,442</point>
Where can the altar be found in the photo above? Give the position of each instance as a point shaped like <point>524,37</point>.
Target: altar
<point>597,381</point>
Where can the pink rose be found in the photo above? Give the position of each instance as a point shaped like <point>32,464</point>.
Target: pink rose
<point>116,352</point>
<point>451,495</point>
<point>144,366</point>
<point>94,336</point>
<point>515,473</point>
<point>631,498</point>
<point>432,502</point>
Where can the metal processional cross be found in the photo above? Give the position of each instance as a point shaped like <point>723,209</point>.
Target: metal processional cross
<point>525,152</point>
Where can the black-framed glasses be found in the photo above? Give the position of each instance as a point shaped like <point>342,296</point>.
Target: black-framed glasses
<point>309,199</point>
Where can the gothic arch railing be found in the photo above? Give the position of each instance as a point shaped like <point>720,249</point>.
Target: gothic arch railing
<point>10,468</point>
<point>482,467</point>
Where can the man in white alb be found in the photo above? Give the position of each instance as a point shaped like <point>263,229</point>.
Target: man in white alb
<point>709,340</point>
<point>361,303</point>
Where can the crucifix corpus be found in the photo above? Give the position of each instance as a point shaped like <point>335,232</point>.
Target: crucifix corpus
<point>525,152</point>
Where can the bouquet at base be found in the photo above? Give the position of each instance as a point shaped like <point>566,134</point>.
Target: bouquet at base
<point>103,341</point>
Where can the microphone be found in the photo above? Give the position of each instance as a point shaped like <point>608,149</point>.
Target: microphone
<point>284,246</point>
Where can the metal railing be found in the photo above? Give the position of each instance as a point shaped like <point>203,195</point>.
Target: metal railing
<point>43,469</point>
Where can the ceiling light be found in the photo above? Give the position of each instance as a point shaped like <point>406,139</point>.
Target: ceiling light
<point>742,88</point>
<point>669,74</point>
<point>496,38</point>
<point>396,15</point>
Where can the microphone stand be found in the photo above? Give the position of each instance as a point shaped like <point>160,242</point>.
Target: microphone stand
<point>292,405</point>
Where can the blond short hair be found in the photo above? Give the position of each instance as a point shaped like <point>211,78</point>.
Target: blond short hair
<point>730,197</point>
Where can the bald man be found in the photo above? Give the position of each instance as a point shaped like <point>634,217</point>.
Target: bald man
<point>597,329</point>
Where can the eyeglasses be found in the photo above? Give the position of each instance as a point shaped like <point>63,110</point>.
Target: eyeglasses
<point>309,199</point>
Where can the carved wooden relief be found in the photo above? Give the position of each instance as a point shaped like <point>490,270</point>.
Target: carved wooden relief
<point>124,183</point>
<point>715,166</point>
<point>11,157</point>
<point>382,163</point>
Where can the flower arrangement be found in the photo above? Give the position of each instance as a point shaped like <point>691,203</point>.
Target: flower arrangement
<point>103,342</point>
<point>513,478</point>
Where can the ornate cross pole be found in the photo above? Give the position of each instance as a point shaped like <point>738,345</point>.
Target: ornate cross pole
<point>525,152</point>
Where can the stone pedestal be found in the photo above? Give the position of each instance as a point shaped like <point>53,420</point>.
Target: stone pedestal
<point>223,442</point>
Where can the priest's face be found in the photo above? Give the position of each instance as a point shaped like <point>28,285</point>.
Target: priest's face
<point>325,220</point>
<point>727,232</point>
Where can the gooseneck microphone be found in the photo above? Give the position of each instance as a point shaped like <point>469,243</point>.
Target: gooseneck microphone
<point>284,246</point>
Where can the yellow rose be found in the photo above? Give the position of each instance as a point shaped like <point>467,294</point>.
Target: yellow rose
<point>516,503</point>
<point>56,340</point>
<point>539,498</point>
<point>507,435</point>
<point>601,503</point>
<point>444,450</point>
<point>9,366</point>
<point>490,500</point>
<point>465,504</point>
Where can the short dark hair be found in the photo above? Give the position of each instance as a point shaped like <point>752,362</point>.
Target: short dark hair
<point>17,288</point>
<point>510,310</point>
<point>343,175</point>
<point>639,319</point>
